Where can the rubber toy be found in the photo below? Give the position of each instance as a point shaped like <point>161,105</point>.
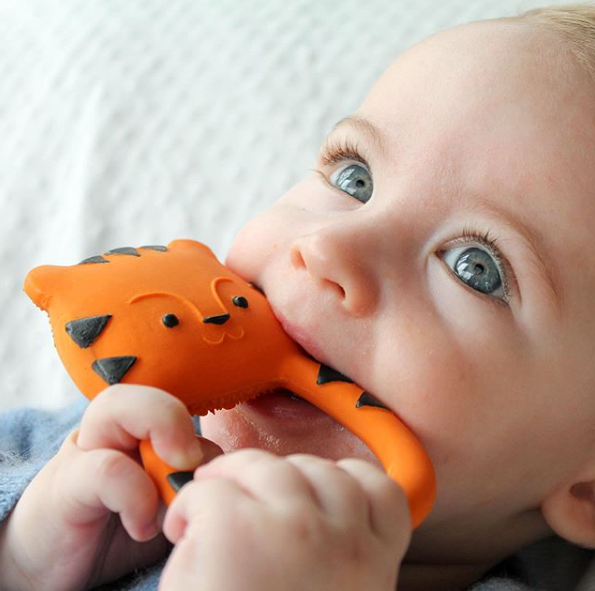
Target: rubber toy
<point>175,318</point>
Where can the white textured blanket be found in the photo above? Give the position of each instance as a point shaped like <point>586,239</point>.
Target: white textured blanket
<point>140,121</point>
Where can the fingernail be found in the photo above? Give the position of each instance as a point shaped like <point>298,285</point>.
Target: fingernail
<point>195,452</point>
<point>148,532</point>
<point>190,458</point>
<point>151,531</point>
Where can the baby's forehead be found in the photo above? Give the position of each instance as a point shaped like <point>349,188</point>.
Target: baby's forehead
<point>498,44</point>
<point>494,88</point>
<point>490,56</point>
<point>516,129</point>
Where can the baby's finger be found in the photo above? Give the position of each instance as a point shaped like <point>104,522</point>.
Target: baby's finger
<point>122,415</point>
<point>94,483</point>
<point>388,507</point>
<point>265,476</point>
<point>197,497</point>
<point>339,495</point>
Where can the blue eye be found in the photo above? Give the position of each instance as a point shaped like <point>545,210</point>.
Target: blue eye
<point>355,180</point>
<point>477,268</point>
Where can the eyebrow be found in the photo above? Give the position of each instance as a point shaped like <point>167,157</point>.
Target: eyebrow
<point>359,124</point>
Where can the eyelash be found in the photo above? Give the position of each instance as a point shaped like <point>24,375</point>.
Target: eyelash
<point>335,151</point>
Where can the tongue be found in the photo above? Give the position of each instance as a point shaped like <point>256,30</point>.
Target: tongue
<point>282,403</point>
<point>283,423</point>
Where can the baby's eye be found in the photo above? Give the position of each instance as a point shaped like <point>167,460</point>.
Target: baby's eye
<point>476,268</point>
<point>355,180</point>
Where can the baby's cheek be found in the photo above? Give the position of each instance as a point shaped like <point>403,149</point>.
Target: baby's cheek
<point>431,387</point>
<point>251,248</point>
<point>265,236</point>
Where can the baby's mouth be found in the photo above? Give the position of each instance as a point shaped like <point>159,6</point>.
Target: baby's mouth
<point>291,395</point>
<point>288,393</point>
<point>284,393</point>
<point>314,349</point>
<point>283,404</point>
<point>284,423</point>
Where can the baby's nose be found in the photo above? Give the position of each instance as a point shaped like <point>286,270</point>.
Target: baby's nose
<point>340,263</point>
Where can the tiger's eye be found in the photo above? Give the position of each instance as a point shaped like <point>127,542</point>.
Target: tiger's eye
<point>170,320</point>
<point>240,301</point>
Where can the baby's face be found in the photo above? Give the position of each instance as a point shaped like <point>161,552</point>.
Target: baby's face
<point>440,255</point>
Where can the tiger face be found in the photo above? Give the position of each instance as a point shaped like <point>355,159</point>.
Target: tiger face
<point>171,317</point>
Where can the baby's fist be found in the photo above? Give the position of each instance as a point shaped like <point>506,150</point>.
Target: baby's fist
<point>251,520</point>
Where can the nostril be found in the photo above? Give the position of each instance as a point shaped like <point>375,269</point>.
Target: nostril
<point>338,289</point>
<point>297,260</point>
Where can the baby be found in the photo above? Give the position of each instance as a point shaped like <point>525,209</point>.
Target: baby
<point>438,255</point>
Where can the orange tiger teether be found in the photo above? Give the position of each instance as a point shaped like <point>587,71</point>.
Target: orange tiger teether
<point>175,318</point>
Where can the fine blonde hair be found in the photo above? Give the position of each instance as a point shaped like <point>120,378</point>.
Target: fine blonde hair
<point>574,24</point>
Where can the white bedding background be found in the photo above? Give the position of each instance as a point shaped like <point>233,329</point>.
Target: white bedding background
<point>129,122</point>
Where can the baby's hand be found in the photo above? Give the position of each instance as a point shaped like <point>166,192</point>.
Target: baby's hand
<point>92,514</point>
<point>252,521</point>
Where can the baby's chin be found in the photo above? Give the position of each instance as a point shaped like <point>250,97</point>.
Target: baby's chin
<point>283,426</point>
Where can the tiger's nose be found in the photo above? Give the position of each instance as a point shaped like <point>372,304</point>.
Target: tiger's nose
<point>220,319</point>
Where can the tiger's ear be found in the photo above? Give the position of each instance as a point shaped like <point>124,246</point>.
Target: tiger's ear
<point>189,244</point>
<point>41,282</point>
